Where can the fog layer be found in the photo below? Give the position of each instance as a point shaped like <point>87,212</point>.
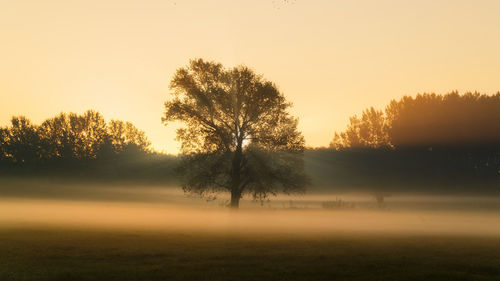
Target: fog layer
<point>158,217</point>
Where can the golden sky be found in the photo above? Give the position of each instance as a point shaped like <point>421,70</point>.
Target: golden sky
<point>331,58</point>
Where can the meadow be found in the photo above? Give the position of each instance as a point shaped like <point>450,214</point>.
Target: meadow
<point>68,254</point>
<point>144,233</point>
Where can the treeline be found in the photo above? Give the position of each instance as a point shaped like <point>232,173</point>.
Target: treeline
<point>429,142</point>
<point>432,141</point>
<point>427,120</point>
<point>80,145</point>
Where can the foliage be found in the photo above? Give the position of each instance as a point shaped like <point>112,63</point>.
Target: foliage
<point>369,131</point>
<point>238,134</point>
<point>428,120</point>
<point>438,142</point>
<point>80,145</point>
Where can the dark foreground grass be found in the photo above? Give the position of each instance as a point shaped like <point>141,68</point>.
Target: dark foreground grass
<point>61,254</point>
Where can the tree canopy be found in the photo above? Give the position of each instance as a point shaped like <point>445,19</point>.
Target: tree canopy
<point>67,137</point>
<point>427,120</point>
<point>238,135</point>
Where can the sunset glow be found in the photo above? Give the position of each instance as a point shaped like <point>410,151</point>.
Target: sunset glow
<point>331,58</point>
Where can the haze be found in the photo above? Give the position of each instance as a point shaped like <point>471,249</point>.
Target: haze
<point>330,58</point>
<point>26,204</point>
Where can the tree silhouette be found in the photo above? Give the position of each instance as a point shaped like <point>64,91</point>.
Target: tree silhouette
<point>22,143</point>
<point>125,134</point>
<point>82,146</point>
<point>68,137</point>
<point>428,140</point>
<point>427,120</point>
<point>238,135</point>
<point>369,131</point>
<point>57,138</point>
<point>4,134</point>
<point>448,120</point>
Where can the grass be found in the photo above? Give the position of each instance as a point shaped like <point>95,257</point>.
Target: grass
<point>40,254</point>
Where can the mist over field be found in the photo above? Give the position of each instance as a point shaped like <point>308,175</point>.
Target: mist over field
<point>231,140</point>
<point>82,198</point>
<point>80,230</point>
<point>163,209</point>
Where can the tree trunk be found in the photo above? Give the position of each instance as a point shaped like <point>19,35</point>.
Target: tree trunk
<point>236,177</point>
<point>235,199</point>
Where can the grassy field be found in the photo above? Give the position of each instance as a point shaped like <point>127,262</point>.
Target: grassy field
<point>39,253</point>
<point>120,233</point>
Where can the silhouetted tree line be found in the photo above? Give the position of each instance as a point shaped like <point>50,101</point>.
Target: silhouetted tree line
<point>86,145</point>
<point>436,142</point>
<point>447,140</point>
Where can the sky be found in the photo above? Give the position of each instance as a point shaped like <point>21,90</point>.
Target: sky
<point>330,58</point>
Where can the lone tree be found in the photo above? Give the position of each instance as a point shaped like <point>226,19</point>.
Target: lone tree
<point>238,136</point>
